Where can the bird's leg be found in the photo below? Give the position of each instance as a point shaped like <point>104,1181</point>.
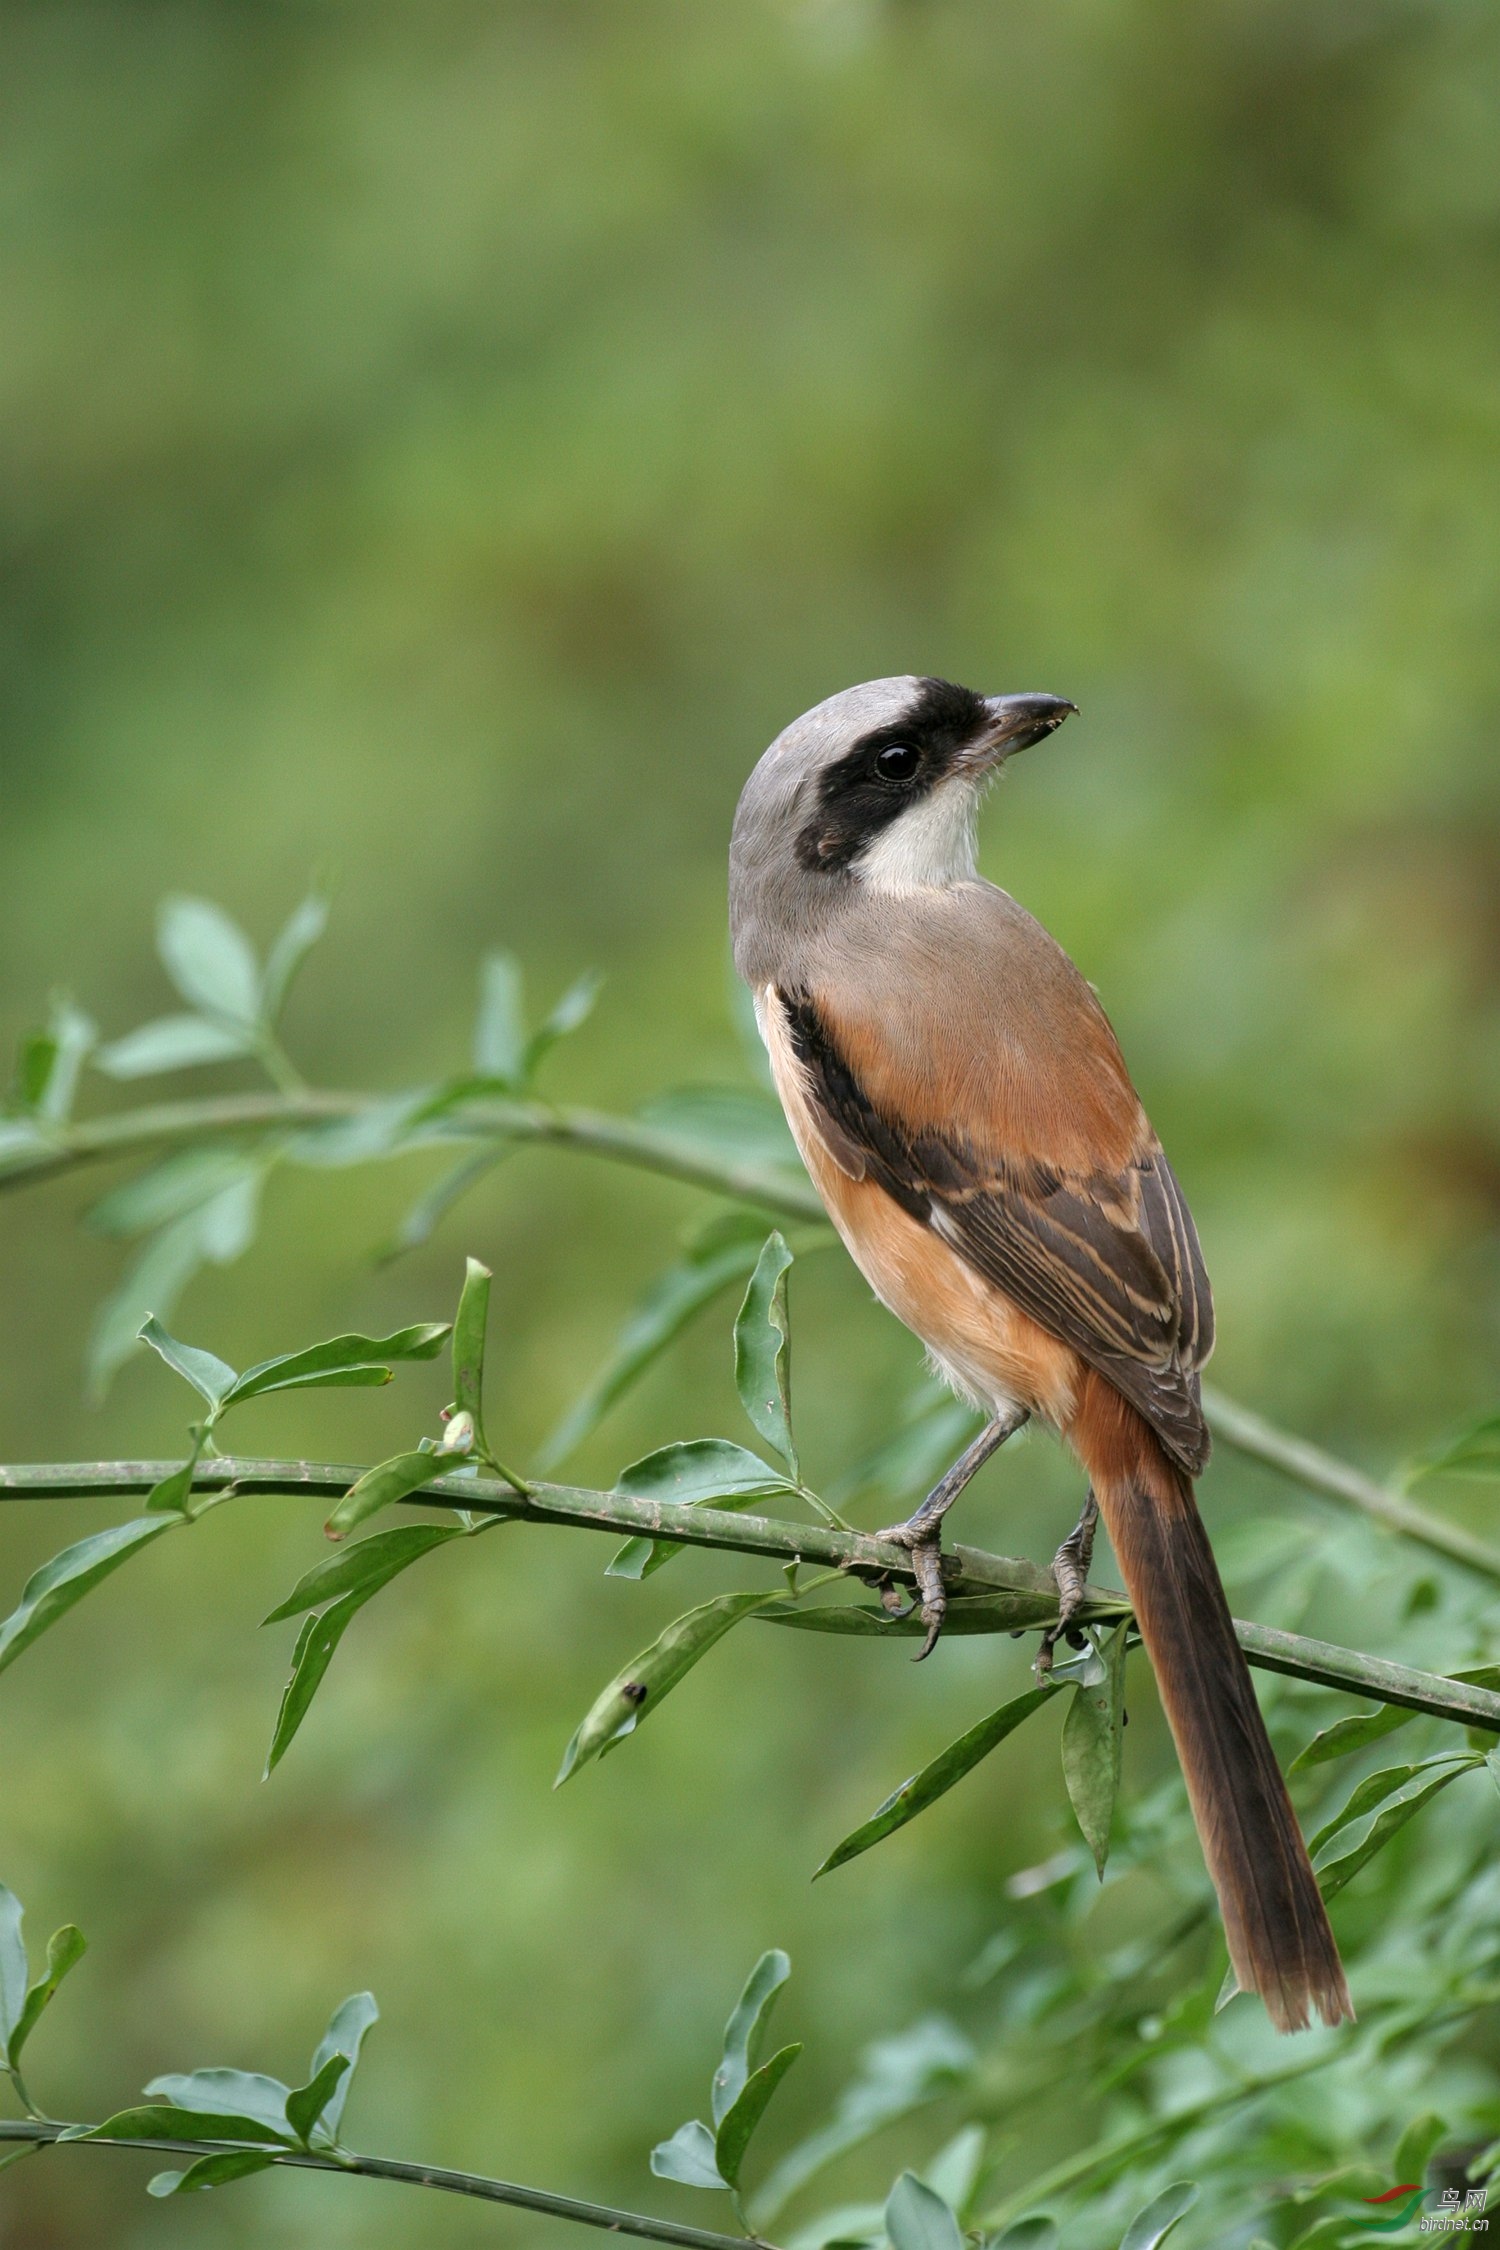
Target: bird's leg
<point>1070,1569</point>
<point>923,1532</point>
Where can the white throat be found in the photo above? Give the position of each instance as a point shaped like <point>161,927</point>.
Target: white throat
<point>929,847</point>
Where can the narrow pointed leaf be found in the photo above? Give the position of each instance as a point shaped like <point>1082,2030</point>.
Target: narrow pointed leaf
<point>180,1183</point>
<point>208,957</point>
<point>210,2172</point>
<point>688,2157</point>
<point>674,1299</point>
<point>49,1062</point>
<point>65,1949</point>
<point>745,2029</point>
<point>737,2127</point>
<point>1335,1873</point>
<point>366,1566</point>
<point>896,2076</point>
<point>296,939</point>
<point>500,1027</point>
<point>939,1776</point>
<point>172,1043</point>
<point>1354,1733</point>
<point>306,2104</point>
<point>1038,2233</point>
<point>636,1692</point>
<point>1155,2223</point>
<point>917,2219</point>
<point>311,1657</point>
<point>434,1204</point>
<point>469,1326</point>
<point>1091,1748</point>
<point>346,2033</point>
<point>573,1009</point>
<point>51,1591</point>
<point>1474,1452</point>
<point>379,1487</point>
<point>1373,1791</point>
<point>762,1350</point>
<point>365,1357</point>
<point>210,1377</point>
<point>15,1969</point>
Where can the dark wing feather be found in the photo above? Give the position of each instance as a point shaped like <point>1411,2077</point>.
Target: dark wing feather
<point>1110,1264</point>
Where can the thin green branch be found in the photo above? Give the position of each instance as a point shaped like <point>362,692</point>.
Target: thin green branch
<point>626,1140</point>
<point>971,1573</point>
<point>43,2133</point>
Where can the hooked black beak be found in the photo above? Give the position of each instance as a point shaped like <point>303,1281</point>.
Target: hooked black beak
<point>1016,721</point>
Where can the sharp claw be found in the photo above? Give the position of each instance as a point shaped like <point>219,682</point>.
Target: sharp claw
<point>934,1627</point>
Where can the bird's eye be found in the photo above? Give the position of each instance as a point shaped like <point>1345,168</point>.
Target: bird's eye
<point>897,762</point>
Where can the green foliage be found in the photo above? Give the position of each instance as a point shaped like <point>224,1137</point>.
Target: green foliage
<point>697,2156</point>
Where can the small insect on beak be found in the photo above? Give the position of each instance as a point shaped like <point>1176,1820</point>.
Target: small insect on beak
<point>1016,721</point>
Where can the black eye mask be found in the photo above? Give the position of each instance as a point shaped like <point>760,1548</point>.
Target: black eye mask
<point>887,770</point>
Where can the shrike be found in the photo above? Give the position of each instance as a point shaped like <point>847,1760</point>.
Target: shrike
<point>965,1112</point>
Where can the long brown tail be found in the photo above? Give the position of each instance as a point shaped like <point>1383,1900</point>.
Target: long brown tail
<point>1279,1940</point>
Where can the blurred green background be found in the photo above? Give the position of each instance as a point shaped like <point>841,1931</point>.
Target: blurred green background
<point>443,446</point>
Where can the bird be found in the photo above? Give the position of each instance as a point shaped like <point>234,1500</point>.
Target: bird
<point>961,1103</point>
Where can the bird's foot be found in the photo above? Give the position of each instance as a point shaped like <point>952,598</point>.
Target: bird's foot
<point>1070,1570</point>
<point>923,1541</point>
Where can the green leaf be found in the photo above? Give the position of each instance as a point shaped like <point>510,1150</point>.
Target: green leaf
<point>674,1299</point>
<point>65,1949</point>
<point>1354,1733</point>
<point>366,1566</point>
<point>340,1359</point>
<point>210,1378</point>
<point>1155,2223</point>
<point>15,1969</point>
<point>1369,1793</point>
<point>954,2172</point>
<point>182,1182</point>
<point>763,1352</point>
<point>702,1472</point>
<point>434,1204</point>
<point>165,2121</point>
<point>967,1613</point>
<point>1474,1452</point>
<point>209,958</point>
<point>688,2157</point>
<point>573,1009</point>
<point>939,1776</point>
<point>733,1121</point>
<point>896,2076</point>
<point>746,2028</point>
<point>1415,2147</point>
<point>297,937</point>
<point>48,1064</point>
<point>172,1043</point>
<point>1334,1874</point>
<point>379,1487</point>
<point>306,2104</point>
<point>917,2219</point>
<point>221,2092</point>
<point>347,2029</point>
<point>1091,1748</point>
<point>637,1690</point>
<point>311,1657</point>
<point>738,2125</point>
<point>1038,2233</point>
<point>469,1327</point>
<point>500,1027</point>
<point>210,2172</point>
<point>51,1591</point>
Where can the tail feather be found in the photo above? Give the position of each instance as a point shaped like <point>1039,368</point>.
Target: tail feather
<point>1280,1943</point>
